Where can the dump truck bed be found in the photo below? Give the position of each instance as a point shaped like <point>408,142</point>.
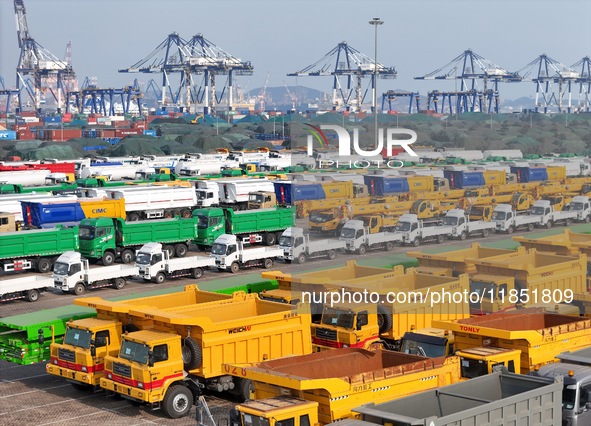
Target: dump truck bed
<point>563,244</point>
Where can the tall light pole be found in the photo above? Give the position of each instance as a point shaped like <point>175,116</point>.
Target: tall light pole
<point>375,22</point>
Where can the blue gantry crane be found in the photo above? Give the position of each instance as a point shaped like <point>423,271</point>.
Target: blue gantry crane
<point>546,73</point>
<point>584,82</point>
<point>479,83</point>
<point>47,71</point>
<point>346,62</point>
<point>11,96</point>
<point>103,101</point>
<point>391,96</point>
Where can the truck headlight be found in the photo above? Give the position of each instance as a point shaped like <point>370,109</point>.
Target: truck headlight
<point>55,361</point>
<point>92,252</point>
<point>140,385</point>
<point>109,376</point>
<point>84,369</point>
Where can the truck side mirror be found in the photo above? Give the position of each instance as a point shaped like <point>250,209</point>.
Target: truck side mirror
<point>150,359</point>
<point>41,338</point>
<point>234,417</point>
<point>92,350</point>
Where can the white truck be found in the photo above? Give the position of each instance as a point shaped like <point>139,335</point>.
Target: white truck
<point>229,253</point>
<point>358,239</point>
<point>27,288</point>
<point>582,206</point>
<point>297,246</point>
<point>72,273</point>
<point>507,220</point>
<point>155,264</point>
<point>414,231</point>
<point>462,227</point>
<point>548,216</point>
<point>152,202</point>
<point>234,193</point>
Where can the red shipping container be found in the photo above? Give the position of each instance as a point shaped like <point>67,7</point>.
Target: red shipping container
<point>25,136</point>
<point>91,120</point>
<point>28,114</point>
<point>107,133</point>
<point>121,133</point>
<point>124,123</point>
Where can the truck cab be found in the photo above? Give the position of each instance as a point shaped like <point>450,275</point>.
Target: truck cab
<point>7,222</point>
<point>261,200</point>
<point>429,342</point>
<point>277,411</point>
<point>208,193</point>
<point>292,243</point>
<point>582,206</point>
<point>151,260</point>
<point>211,224</point>
<point>70,269</point>
<point>522,202</point>
<point>476,362</point>
<point>98,239</point>
<point>80,356</point>
<point>353,233</point>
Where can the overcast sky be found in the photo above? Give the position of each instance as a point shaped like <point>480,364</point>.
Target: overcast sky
<point>281,36</point>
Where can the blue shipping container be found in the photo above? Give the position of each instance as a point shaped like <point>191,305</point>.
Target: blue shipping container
<point>150,133</point>
<point>44,215</point>
<point>384,185</point>
<point>52,119</point>
<point>288,193</point>
<point>462,179</point>
<point>7,135</point>
<point>530,174</point>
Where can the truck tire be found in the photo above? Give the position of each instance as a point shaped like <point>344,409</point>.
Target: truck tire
<point>301,258</point>
<point>587,219</point>
<point>485,233</point>
<point>159,278</point>
<point>510,229</point>
<point>197,273</point>
<point>566,222</point>
<point>362,249</point>
<point>463,235</point>
<point>549,224</point>
<point>332,254</point>
<point>234,267</point>
<point>191,354</point>
<point>268,263</point>
<point>133,217</point>
<point>245,388</point>
<point>168,214</point>
<point>78,289</point>
<point>416,242</point>
<point>33,295</point>
<point>186,213</point>
<point>177,213</point>
<point>44,265</point>
<point>108,258</point>
<point>384,320</point>
<point>181,250</point>
<point>178,401</point>
<point>269,239</point>
<point>169,249</point>
<point>441,239</point>
<point>127,256</point>
<point>119,283</point>
<point>389,246</point>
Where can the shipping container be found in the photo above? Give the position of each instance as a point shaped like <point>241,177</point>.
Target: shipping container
<point>460,179</point>
<point>530,174</point>
<point>7,135</point>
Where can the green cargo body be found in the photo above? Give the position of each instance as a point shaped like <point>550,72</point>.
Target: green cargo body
<point>19,334</point>
<point>216,221</point>
<point>38,242</point>
<point>162,231</point>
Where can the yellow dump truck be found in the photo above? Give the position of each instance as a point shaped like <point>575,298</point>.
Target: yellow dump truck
<point>454,263</point>
<point>566,244</point>
<point>80,358</point>
<point>185,349</point>
<point>324,387</point>
<point>508,282</point>
<point>538,336</point>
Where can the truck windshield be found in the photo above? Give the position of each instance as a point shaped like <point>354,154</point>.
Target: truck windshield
<point>498,216</point>
<point>450,221</point>
<point>473,368</point>
<point>569,395</point>
<point>133,351</point>
<point>77,337</point>
<point>347,233</point>
<point>484,290</point>
<point>60,268</point>
<point>431,350</point>
<point>256,198</point>
<point>202,222</point>
<point>250,420</point>
<point>577,206</point>
<point>537,211</point>
<point>201,195</point>
<point>218,249</point>
<point>286,241</point>
<point>317,217</point>
<point>142,258</point>
<point>86,233</point>
<point>402,227</point>
<point>338,317</point>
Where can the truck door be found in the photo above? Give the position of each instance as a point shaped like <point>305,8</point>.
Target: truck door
<point>373,224</point>
<point>584,404</point>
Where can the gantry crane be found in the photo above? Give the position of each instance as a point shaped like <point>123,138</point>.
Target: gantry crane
<point>262,96</point>
<point>391,95</point>
<point>545,72</point>
<point>475,73</point>
<point>584,82</point>
<point>48,72</point>
<point>345,61</point>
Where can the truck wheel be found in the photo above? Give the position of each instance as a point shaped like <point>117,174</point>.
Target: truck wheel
<point>441,239</point>
<point>587,219</point>
<point>191,354</point>
<point>234,267</point>
<point>384,320</point>
<point>566,222</point>
<point>416,242</point>
<point>332,254</point>
<point>108,258</point>
<point>127,256</point>
<point>510,229</point>
<point>159,278</point>
<point>180,250</point>
<point>362,249</point>
<point>389,246</point>
<point>176,213</point>
<point>168,214</point>
<point>197,273</point>
<point>186,213</point>
<point>245,388</point>
<point>44,266</point>
<point>268,263</point>
<point>133,217</point>
<point>549,224</point>
<point>270,239</point>
<point>301,258</point>
<point>463,235</point>
<point>169,249</point>
<point>78,289</point>
<point>177,402</point>
<point>33,295</point>
<point>485,233</point>
<point>119,283</point>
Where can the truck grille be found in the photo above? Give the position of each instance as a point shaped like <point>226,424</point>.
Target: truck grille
<point>122,369</point>
<point>326,333</point>
<point>66,355</point>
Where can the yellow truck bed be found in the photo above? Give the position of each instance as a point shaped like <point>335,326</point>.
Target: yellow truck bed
<point>565,244</point>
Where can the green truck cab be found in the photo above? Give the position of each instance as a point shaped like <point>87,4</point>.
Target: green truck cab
<point>261,225</point>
